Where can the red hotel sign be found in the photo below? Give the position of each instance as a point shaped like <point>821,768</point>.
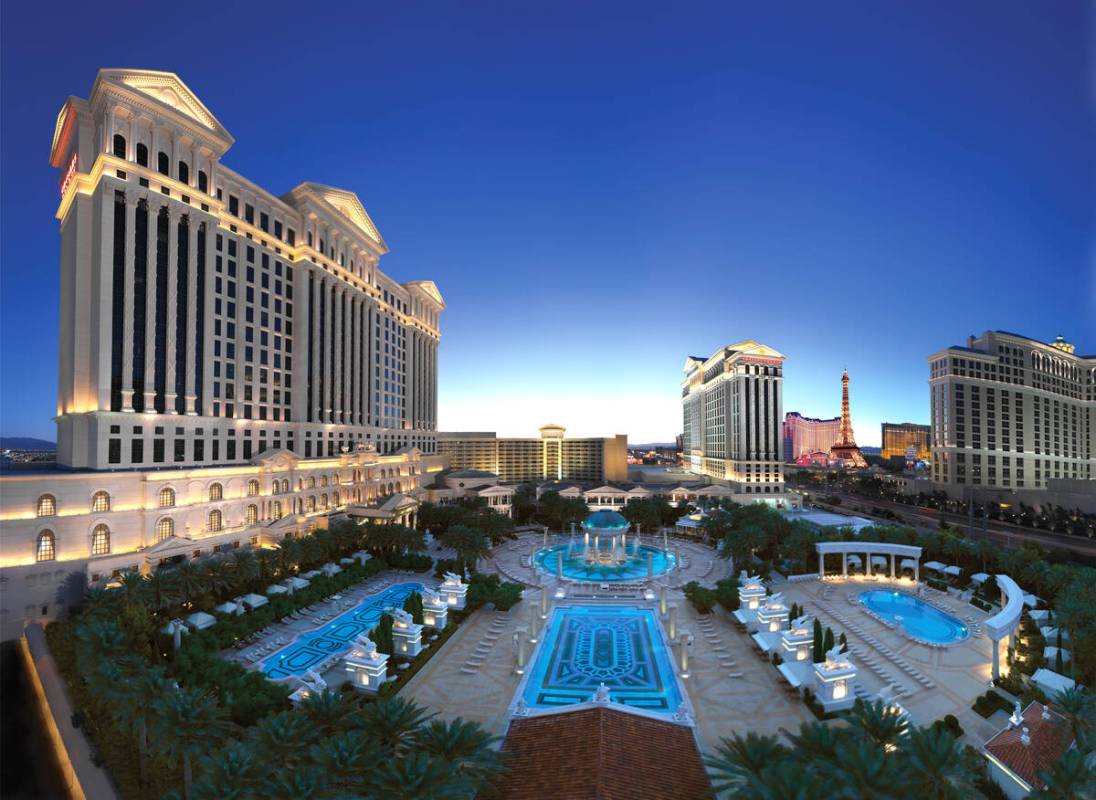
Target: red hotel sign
<point>70,173</point>
<point>776,362</point>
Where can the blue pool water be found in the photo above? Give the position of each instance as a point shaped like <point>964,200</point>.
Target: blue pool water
<point>915,616</point>
<point>634,566</point>
<point>335,636</point>
<point>621,647</point>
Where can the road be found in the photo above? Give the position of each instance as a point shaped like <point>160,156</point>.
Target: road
<point>1004,533</point>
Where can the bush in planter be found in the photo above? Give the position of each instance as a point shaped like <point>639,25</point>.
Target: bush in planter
<point>726,594</point>
<point>506,596</point>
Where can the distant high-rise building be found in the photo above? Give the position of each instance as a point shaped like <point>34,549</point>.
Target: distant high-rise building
<point>1010,412</point>
<point>806,435</point>
<point>731,407</point>
<point>551,457</point>
<point>845,448</point>
<point>902,437</point>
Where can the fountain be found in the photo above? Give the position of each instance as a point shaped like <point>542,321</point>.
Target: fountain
<point>605,554</point>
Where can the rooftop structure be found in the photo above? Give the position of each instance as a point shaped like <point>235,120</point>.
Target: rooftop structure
<point>1033,742</point>
<point>806,435</point>
<point>845,447</point>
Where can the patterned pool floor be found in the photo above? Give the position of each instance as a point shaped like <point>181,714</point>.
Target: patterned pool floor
<point>621,647</point>
<point>311,648</point>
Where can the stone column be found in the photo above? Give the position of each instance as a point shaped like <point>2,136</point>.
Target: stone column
<point>150,310</point>
<point>844,564</point>
<point>170,343</point>
<point>559,565</point>
<point>207,330</point>
<point>892,566</point>
<point>673,623</point>
<point>544,602</point>
<point>132,199</point>
<point>336,356</point>
<point>867,565</point>
<point>317,303</point>
<point>328,372</point>
<point>662,600</point>
<point>821,565</point>
<point>996,658</point>
<point>191,312</point>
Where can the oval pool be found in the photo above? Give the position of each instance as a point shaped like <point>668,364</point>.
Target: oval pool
<point>914,616</point>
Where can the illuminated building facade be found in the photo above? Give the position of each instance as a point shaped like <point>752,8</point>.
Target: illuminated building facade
<point>1010,412</point>
<point>552,456</point>
<point>732,411</point>
<point>233,365</point>
<point>899,438</point>
<point>806,435</point>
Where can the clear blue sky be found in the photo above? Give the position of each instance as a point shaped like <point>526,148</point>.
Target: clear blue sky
<point>600,190</point>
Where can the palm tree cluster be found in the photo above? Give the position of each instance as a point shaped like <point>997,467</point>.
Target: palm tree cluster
<point>877,755</point>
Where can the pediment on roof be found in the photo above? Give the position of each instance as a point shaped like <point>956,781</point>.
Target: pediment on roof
<point>277,459</point>
<point>349,206</point>
<point>169,90</point>
<point>752,348</point>
<point>429,288</point>
<point>606,490</point>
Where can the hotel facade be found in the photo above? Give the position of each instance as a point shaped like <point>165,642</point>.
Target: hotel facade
<point>233,364</point>
<point>806,435</point>
<point>901,437</point>
<point>1010,414</point>
<point>550,457</point>
<point>732,413</point>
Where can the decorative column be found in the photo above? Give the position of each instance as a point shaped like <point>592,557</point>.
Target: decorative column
<point>519,640</point>
<point>170,343</point>
<point>892,566</point>
<point>650,565</point>
<point>207,329</point>
<point>821,565</point>
<point>336,356</point>
<point>191,312</point>
<point>543,602</point>
<point>662,600</point>
<point>317,303</point>
<point>132,199</point>
<point>867,565</point>
<point>844,564</point>
<point>672,623</point>
<point>559,565</point>
<point>150,310</point>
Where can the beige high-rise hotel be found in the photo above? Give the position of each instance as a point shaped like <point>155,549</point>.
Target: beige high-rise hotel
<point>550,457</point>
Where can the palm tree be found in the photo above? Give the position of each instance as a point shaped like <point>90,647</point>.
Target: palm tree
<point>163,589</point>
<point>935,764</point>
<point>233,773</point>
<point>328,711</point>
<point>781,780</point>
<point>348,759</point>
<point>132,588</point>
<point>245,567</point>
<point>284,737</point>
<point>1070,779</point>
<point>134,694</point>
<point>302,783</point>
<point>882,723</point>
<point>418,775</point>
<point>188,723</point>
<point>189,581</point>
<point>738,760</point>
<point>465,745</point>
<point>468,544</point>
<point>392,723</point>
<point>1079,708</point>
<point>861,770</point>
<point>815,741</point>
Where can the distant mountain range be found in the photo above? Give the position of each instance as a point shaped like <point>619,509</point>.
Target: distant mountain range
<point>25,443</point>
<point>649,446</point>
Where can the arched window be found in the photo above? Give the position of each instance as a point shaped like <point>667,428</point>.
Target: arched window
<point>216,492</point>
<point>47,506</point>
<point>336,479</point>
<point>311,503</point>
<point>142,154</point>
<point>275,488</point>
<point>100,502</point>
<point>119,145</point>
<point>44,547</point>
<point>323,481</point>
<point>312,482</point>
<point>335,497</point>
<point>167,497</point>
<point>203,182</point>
<point>216,521</point>
<point>252,514</point>
<point>252,488</point>
<point>285,485</point>
<point>100,540</point>
<point>323,500</point>
<point>165,529</point>
<point>163,163</point>
<point>184,172</point>
<point>277,509</point>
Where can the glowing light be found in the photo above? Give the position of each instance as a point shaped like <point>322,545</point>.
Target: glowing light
<point>70,173</point>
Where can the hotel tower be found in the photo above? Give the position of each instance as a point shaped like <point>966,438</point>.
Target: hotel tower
<point>234,366</point>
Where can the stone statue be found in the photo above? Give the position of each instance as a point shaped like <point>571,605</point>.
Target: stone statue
<point>836,653</point>
<point>431,598</point>
<point>522,708</point>
<point>452,579</point>
<point>602,694</point>
<point>801,622</point>
<point>682,714</point>
<point>400,617</point>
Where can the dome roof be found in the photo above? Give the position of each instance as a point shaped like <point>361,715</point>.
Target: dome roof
<point>605,520</point>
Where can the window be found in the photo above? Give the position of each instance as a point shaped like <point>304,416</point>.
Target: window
<point>277,509</point>
<point>100,501</point>
<point>216,492</point>
<point>312,503</point>
<point>323,500</point>
<point>285,485</point>
<point>252,514</point>
<point>203,182</point>
<point>184,172</point>
<point>163,163</point>
<point>142,154</point>
<point>47,506</point>
<point>165,529</point>
<point>312,483</point>
<point>167,497</point>
<point>119,145</point>
<point>252,488</point>
<point>44,549</point>
<point>100,540</point>
<point>215,522</point>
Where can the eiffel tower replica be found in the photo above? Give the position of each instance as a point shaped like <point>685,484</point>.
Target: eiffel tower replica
<point>845,448</point>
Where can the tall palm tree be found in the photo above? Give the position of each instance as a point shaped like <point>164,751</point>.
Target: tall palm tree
<point>1070,779</point>
<point>189,581</point>
<point>781,780</point>
<point>815,741</point>
<point>465,745</point>
<point>861,770</point>
<point>328,711</point>
<point>132,589</point>
<point>881,722</point>
<point>418,775</point>
<point>1078,706</point>
<point>284,737</point>
<point>234,773</point>
<point>188,723</point>
<point>348,759</point>
<point>738,760</point>
<point>245,568</point>
<point>134,695</point>
<point>307,782</point>
<point>468,544</point>
<point>392,723</point>
<point>163,590</point>
<point>932,760</point>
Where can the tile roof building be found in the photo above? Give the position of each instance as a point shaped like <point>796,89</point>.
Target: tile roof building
<point>1033,742</point>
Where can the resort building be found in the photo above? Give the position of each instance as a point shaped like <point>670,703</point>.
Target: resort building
<point>458,484</point>
<point>1012,414</point>
<point>806,435</point>
<point>551,457</point>
<point>904,438</point>
<point>233,364</point>
<point>731,406</point>
<point>1034,741</point>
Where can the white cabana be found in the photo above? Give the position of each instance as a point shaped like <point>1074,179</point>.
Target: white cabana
<point>252,600</point>
<point>294,583</point>
<point>1039,615</point>
<point>852,558</point>
<point>879,561</point>
<point>1050,633</point>
<point>907,563</point>
<point>1031,601</point>
<point>1051,654</point>
<point>1051,682</point>
<point>953,570</point>
<point>312,573</point>
<point>979,578</point>
<point>362,556</point>
<point>276,588</point>
<point>331,569</point>
<point>227,608</point>
<point>348,560</point>
<point>200,620</point>
<point>935,566</point>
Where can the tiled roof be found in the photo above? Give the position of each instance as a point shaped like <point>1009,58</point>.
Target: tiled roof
<point>601,754</point>
<point>1050,740</point>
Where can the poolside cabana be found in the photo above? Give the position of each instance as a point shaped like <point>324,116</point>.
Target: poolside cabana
<point>276,588</point>
<point>978,578</point>
<point>362,557</point>
<point>253,600</point>
<point>312,573</point>
<point>935,566</point>
<point>1051,654</point>
<point>200,620</point>
<point>1050,633</point>
<point>228,608</point>
<point>953,571</point>
<point>1005,622</point>
<point>1039,615</point>
<point>1051,682</point>
<point>330,569</point>
<point>294,583</point>
<point>850,552</point>
<point>1031,601</point>
<point>347,561</point>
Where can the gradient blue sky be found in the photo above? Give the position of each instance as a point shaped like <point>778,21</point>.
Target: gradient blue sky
<point>601,189</point>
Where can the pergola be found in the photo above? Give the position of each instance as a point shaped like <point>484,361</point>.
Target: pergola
<point>1005,622</point>
<point>910,555</point>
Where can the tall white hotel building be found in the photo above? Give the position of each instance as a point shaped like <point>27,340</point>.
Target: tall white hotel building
<point>732,409</point>
<point>233,364</point>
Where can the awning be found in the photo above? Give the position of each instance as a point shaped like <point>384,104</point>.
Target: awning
<point>935,566</point>
<point>331,569</point>
<point>226,608</point>
<point>1040,614</point>
<point>979,578</point>
<point>200,620</point>
<point>276,589</point>
<point>312,573</point>
<point>953,570</point>
<point>1051,654</point>
<point>908,563</point>
<point>790,675</point>
<point>295,582</point>
<point>1050,681</point>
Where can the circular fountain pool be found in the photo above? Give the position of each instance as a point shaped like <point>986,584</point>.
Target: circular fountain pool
<point>603,565</point>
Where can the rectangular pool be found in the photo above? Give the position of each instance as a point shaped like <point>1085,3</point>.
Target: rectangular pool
<point>585,646</point>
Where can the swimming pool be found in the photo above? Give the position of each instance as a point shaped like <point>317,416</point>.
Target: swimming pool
<point>633,568</point>
<point>916,617</point>
<point>311,648</point>
<point>622,647</point>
